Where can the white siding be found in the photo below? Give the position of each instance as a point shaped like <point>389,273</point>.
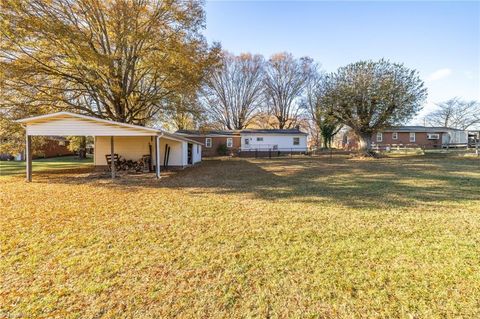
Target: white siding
<point>134,147</point>
<point>175,157</point>
<point>457,137</point>
<point>197,153</point>
<point>82,127</point>
<point>270,141</point>
<point>128,147</point>
<point>185,153</point>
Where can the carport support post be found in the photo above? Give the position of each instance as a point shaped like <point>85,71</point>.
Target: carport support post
<point>28,157</point>
<point>157,156</point>
<point>112,157</point>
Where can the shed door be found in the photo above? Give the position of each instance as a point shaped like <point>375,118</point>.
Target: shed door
<point>189,153</point>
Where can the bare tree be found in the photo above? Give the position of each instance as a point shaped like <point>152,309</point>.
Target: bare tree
<point>455,113</point>
<point>232,93</point>
<point>320,113</point>
<point>285,81</point>
<point>368,96</point>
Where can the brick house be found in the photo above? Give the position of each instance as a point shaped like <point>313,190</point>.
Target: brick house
<point>212,140</point>
<point>412,137</point>
<point>54,146</point>
<point>420,136</point>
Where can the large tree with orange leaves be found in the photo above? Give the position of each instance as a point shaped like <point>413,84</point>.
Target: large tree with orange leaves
<point>115,59</point>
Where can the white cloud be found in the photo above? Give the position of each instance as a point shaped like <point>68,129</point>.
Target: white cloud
<point>439,74</point>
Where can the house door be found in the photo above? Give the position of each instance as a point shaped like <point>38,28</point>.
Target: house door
<point>189,153</point>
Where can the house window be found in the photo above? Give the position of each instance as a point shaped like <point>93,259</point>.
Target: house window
<point>296,141</point>
<point>394,136</point>
<point>379,137</point>
<point>208,142</point>
<point>412,137</point>
<point>229,142</point>
<point>433,136</point>
<point>247,141</point>
<point>259,139</point>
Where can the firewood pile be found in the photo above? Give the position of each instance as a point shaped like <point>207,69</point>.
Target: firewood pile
<point>122,164</point>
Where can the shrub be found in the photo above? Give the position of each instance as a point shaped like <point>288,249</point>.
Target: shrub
<point>222,150</point>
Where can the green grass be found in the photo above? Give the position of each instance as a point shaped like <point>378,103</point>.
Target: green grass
<point>56,163</point>
<point>245,238</point>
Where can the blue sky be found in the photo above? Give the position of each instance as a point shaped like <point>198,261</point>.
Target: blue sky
<point>439,39</point>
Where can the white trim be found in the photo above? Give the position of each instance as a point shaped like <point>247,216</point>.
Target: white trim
<point>394,135</point>
<point>229,142</point>
<point>157,156</point>
<point>412,134</point>
<point>177,138</point>
<point>61,115</point>
<point>94,157</point>
<point>275,134</point>
<point>208,139</point>
<point>293,141</point>
<point>85,117</point>
<point>208,135</point>
<point>379,137</point>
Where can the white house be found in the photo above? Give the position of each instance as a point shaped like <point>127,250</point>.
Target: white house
<point>128,141</point>
<point>249,140</point>
<point>455,137</point>
<point>285,140</point>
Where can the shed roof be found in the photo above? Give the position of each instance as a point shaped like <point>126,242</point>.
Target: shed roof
<point>208,132</point>
<point>71,124</point>
<point>293,131</point>
<point>238,132</point>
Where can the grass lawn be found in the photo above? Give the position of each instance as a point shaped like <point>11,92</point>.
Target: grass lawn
<point>56,163</point>
<point>245,238</point>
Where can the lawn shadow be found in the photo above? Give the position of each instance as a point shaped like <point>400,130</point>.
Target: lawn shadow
<point>387,182</point>
<point>399,182</point>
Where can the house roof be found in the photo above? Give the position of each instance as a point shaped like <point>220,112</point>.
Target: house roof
<point>209,132</point>
<point>85,127</point>
<point>431,129</point>
<point>239,132</point>
<point>273,131</point>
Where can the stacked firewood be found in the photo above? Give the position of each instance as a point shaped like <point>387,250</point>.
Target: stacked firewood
<point>122,164</point>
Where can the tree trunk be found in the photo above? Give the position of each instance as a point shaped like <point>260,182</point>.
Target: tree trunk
<point>364,142</point>
<point>324,142</point>
<point>82,150</point>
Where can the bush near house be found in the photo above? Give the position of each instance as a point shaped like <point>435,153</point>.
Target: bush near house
<point>222,150</point>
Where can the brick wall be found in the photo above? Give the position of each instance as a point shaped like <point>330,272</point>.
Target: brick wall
<point>52,148</point>
<point>421,139</point>
<point>216,142</point>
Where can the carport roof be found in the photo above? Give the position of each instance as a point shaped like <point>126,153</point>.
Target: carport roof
<point>108,124</point>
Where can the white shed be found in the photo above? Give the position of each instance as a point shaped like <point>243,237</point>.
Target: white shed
<point>128,141</point>
<point>284,140</point>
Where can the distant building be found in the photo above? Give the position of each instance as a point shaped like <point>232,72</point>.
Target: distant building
<point>239,142</point>
<point>412,136</point>
<point>421,136</point>
<point>54,146</point>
